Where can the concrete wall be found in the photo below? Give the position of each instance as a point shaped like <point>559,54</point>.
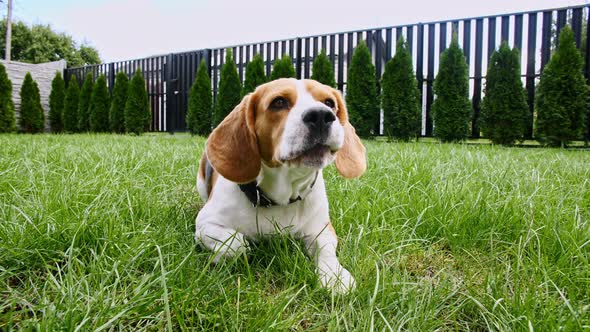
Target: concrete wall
<point>42,73</point>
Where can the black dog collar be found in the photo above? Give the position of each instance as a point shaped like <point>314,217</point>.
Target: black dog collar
<point>258,198</point>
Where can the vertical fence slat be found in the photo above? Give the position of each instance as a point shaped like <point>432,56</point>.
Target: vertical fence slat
<point>341,58</point>
<point>518,32</point>
<point>398,33</point>
<point>420,62</point>
<point>546,38</point>
<point>530,71</point>
<point>298,59</point>
<point>561,21</point>
<point>333,51</point>
<point>430,80</point>
<point>410,33</point>
<point>388,44</point>
<point>276,50</point>
<point>378,55</point>
<point>505,30</point>
<point>315,47</point>
<point>577,26</point>
<point>467,40</point>
<point>349,48</point>
<point>241,63</point>
<point>306,59</point>
<point>477,79</point>
<point>442,46</point>
<point>491,36</point>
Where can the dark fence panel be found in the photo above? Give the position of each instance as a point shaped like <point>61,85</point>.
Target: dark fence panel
<point>169,77</point>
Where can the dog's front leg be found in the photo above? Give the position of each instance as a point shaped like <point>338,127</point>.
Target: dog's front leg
<point>222,240</point>
<point>322,248</point>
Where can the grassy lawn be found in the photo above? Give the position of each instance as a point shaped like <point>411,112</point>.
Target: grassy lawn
<point>96,233</point>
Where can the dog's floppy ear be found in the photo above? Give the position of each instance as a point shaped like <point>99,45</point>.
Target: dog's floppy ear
<point>232,147</point>
<point>351,160</point>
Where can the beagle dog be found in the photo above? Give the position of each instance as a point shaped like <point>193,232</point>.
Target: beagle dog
<point>261,172</point>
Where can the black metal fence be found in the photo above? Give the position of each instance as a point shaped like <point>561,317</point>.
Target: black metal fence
<point>169,77</point>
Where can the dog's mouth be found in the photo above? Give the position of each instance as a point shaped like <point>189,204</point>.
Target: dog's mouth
<point>317,156</point>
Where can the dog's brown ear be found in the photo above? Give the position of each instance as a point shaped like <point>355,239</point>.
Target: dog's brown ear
<point>232,147</point>
<point>351,160</point>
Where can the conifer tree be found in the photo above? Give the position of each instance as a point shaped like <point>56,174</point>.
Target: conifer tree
<point>323,71</point>
<point>56,103</point>
<point>451,108</point>
<point>99,106</point>
<point>7,116</point>
<point>70,113</point>
<point>32,116</point>
<point>254,75</point>
<point>84,103</point>
<point>283,68</point>
<point>137,110</point>
<point>504,109</point>
<point>361,93</point>
<point>400,96</point>
<point>562,95</point>
<point>117,111</point>
<point>200,100</point>
<point>230,89</point>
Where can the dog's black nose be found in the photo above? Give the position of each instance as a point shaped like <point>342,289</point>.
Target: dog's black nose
<point>318,119</point>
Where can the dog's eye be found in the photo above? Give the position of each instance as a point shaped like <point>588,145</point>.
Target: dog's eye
<point>330,103</point>
<point>279,103</point>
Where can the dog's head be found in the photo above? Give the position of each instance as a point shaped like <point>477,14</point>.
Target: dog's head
<point>298,123</point>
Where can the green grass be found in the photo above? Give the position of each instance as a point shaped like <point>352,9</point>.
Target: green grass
<point>96,233</point>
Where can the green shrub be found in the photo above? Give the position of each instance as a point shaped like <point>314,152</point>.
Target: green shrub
<point>504,110</point>
<point>99,106</point>
<point>84,103</point>
<point>7,116</point>
<point>70,113</point>
<point>230,89</point>
<point>562,95</point>
<point>137,109</point>
<point>323,71</point>
<point>56,103</point>
<point>32,117</point>
<point>254,75</point>
<point>451,108</point>
<point>361,93</point>
<point>200,100</point>
<point>117,112</point>
<point>400,96</point>
<point>283,68</point>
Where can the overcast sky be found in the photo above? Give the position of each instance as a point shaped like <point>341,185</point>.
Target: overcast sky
<point>127,29</point>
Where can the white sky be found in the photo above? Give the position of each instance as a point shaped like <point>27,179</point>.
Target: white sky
<point>127,29</point>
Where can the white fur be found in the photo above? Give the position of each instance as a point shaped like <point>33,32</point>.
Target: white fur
<point>228,218</point>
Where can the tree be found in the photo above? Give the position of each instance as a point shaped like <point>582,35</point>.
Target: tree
<point>200,102</point>
<point>283,68</point>
<point>137,108</point>
<point>254,75</point>
<point>32,117</point>
<point>7,117</point>
<point>117,113</point>
<point>323,71</point>
<point>84,104</point>
<point>400,96</point>
<point>99,106</point>
<point>361,92</point>
<point>561,100</point>
<point>56,103</point>
<point>504,110</point>
<point>451,108</point>
<point>40,43</point>
<point>70,113</point>
<point>229,89</point>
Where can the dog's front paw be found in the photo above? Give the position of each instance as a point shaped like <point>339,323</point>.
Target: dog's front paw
<point>339,280</point>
